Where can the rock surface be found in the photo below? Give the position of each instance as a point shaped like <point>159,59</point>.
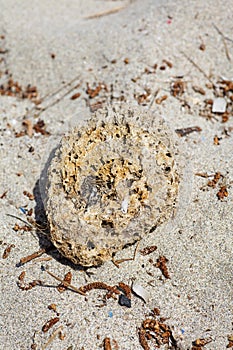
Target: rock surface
<point>110,182</point>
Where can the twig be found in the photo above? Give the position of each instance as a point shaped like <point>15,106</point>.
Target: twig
<point>51,338</point>
<point>196,66</point>
<point>66,284</point>
<point>54,93</point>
<point>118,262</point>
<point>24,221</point>
<point>153,98</point>
<point>106,13</point>
<point>185,131</point>
<point>57,100</point>
<point>33,255</point>
<point>47,258</point>
<point>224,42</point>
<point>33,226</point>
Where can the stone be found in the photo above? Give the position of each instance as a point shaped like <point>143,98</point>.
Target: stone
<point>109,183</point>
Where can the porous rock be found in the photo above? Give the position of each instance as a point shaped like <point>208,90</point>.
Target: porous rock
<point>109,183</point>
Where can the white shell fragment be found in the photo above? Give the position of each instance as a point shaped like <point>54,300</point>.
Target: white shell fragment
<point>109,183</point>
<point>219,105</point>
<point>140,291</point>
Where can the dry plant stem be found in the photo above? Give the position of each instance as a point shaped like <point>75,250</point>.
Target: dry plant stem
<point>58,99</point>
<point>186,131</point>
<point>18,218</point>
<point>153,98</point>
<point>118,262</point>
<point>48,258</point>
<point>35,226</point>
<point>51,338</point>
<point>33,256</point>
<point>105,13</point>
<point>196,66</point>
<point>50,95</point>
<point>70,286</point>
<point>224,41</point>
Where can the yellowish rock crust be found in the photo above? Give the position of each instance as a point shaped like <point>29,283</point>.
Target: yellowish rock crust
<point>110,182</point>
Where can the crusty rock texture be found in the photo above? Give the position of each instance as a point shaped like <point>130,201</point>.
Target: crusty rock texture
<point>110,182</point>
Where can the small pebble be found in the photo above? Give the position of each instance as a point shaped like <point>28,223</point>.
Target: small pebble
<point>124,301</point>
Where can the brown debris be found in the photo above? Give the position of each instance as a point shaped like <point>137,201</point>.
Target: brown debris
<point>202,175</point>
<point>177,88</point>
<point>199,343</point>
<point>148,250</point>
<point>95,106</point>
<point>53,307</point>
<point>23,286</point>
<point>161,99</point>
<point>199,89</point>
<point>222,193</point>
<point>95,91</point>
<point>68,277</point>
<point>49,324</point>
<point>126,60</point>
<point>107,344</point>
<point>216,140</point>
<point>162,265</point>
<point>156,311</point>
<point>22,228</point>
<point>230,339</point>
<point>99,285</point>
<point>126,289</point>
<point>30,257</point>
<point>75,96</point>
<point>225,116</point>
<point>7,251</point>
<point>168,63</point>
<point>3,195</point>
<point>29,195</point>
<point>143,98</point>
<point>202,47</point>
<point>213,183</point>
<point>66,284</point>
<point>28,124</point>
<point>39,127</point>
<point>142,339</point>
<point>12,88</point>
<point>156,330</point>
<point>186,131</point>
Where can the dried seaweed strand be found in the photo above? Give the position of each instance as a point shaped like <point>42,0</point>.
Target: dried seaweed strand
<point>142,339</point>
<point>30,285</point>
<point>98,285</point>
<point>126,289</point>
